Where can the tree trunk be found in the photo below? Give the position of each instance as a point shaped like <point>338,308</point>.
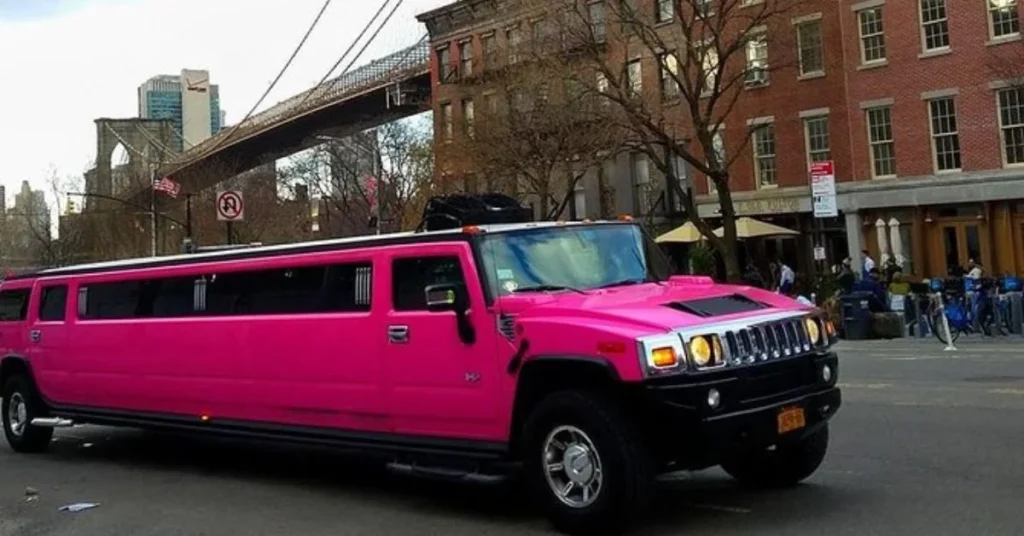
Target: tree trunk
<point>729,240</point>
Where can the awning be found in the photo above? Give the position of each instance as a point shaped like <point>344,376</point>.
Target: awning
<point>751,228</point>
<point>685,233</point>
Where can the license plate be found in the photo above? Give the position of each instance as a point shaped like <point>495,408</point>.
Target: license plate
<point>791,419</point>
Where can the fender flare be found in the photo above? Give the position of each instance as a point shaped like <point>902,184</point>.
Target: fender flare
<point>22,360</point>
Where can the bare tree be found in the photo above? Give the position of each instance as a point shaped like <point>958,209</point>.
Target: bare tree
<point>707,53</point>
<point>538,134</point>
<point>341,172</point>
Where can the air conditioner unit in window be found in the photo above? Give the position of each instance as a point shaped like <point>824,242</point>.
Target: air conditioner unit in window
<point>757,77</point>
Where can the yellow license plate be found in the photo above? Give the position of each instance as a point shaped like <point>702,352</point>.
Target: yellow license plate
<point>791,419</point>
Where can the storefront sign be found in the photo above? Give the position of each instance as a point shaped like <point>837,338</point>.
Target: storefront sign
<point>823,189</point>
<point>778,205</point>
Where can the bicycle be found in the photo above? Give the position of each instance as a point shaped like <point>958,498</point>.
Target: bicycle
<point>964,305</point>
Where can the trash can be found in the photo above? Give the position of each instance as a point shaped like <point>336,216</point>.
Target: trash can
<point>857,315</point>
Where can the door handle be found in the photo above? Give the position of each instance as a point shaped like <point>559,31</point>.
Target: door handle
<point>398,334</point>
<point>35,335</point>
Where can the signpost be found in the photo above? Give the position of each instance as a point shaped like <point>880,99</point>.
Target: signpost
<point>823,199</point>
<point>230,208</point>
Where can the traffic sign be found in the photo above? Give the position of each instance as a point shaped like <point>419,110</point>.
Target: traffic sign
<point>230,206</point>
<point>823,189</point>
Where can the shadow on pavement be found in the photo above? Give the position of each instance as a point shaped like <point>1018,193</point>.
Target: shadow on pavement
<point>689,501</point>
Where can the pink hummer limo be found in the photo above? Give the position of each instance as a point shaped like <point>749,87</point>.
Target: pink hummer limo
<point>482,346</point>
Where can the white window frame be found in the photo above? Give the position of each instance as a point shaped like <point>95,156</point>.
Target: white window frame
<point>800,47</point>
<point>761,128</point>
<point>990,16</point>
<point>635,80</point>
<point>807,137</point>
<point>1003,127</point>
<point>757,41</point>
<point>704,8</point>
<point>668,69</point>
<point>936,136</point>
<point>863,38</point>
<point>447,122</point>
<point>944,22</point>
<point>602,36</point>
<point>873,143</point>
<point>466,67</point>
<point>711,67</point>
<point>469,117</point>
<point>635,159</point>
<point>664,11</point>
<point>718,140</point>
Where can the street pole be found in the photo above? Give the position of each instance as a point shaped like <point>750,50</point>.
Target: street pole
<point>188,216</point>
<point>152,210</point>
<point>377,178</point>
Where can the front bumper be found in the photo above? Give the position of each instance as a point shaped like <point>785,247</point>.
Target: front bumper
<point>688,430</point>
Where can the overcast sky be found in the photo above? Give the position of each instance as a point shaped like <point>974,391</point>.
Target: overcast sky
<point>64,63</point>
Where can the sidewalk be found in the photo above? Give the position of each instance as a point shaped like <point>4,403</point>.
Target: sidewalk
<point>1012,344</point>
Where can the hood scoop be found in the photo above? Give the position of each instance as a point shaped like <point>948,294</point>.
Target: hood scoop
<point>718,306</point>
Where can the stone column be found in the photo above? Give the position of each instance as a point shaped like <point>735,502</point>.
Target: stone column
<point>854,239</point>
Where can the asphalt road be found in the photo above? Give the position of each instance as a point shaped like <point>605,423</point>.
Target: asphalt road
<point>926,443</point>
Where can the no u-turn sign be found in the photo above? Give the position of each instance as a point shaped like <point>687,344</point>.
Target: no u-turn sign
<point>230,206</point>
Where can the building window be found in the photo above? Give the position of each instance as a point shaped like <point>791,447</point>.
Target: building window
<point>946,140</point>
<point>466,58</point>
<point>491,104</point>
<point>669,76</point>
<point>595,11</point>
<point>808,36</point>
<point>447,131</point>
<point>819,147</point>
<point>764,156</point>
<point>444,60</point>
<point>602,89</point>
<point>490,46</point>
<point>704,8</point>
<point>709,66</point>
<point>872,35</point>
<point>883,147</point>
<point>718,143</point>
<point>934,24</point>
<point>666,10</point>
<point>468,117</point>
<point>1011,123</point>
<point>514,38</point>
<point>641,178</point>
<point>757,60</point>
<point>1003,18</point>
<point>634,72</point>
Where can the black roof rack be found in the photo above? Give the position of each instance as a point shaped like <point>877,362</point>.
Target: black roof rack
<point>458,210</point>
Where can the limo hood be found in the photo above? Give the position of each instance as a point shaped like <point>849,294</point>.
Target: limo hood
<point>651,307</point>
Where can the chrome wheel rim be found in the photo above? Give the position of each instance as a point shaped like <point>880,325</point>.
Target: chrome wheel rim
<point>572,466</point>
<point>17,414</point>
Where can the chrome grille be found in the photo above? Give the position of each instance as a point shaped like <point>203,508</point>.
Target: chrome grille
<point>764,342</point>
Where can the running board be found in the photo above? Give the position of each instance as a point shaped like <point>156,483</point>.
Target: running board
<point>52,422</point>
<point>445,473</point>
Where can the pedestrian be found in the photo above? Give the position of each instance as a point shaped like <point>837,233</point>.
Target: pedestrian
<point>787,277</point>
<point>867,265</point>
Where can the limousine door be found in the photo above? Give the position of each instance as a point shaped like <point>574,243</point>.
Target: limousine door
<point>440,385</point>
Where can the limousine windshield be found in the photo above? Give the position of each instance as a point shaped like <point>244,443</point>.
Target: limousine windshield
<point>571,257</point>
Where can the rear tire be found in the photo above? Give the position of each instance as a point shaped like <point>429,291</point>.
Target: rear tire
<point>786,466</point>
<point>22,404</point>
<point>581,444</point>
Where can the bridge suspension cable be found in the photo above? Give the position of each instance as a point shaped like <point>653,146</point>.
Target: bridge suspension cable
<point>277,79</point>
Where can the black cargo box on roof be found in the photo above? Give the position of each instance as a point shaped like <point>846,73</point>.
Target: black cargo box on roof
<point>458,210</point>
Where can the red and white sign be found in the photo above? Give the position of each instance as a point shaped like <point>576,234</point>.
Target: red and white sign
<point>230,206</point>
<point>823,189</point>
<point>370,188</point>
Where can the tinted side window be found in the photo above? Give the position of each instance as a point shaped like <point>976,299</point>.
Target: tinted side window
<point>14,305</point>
<point>411,277</point>
<point>298,290</point>
<point>151,298</point>
<point>53,303</point>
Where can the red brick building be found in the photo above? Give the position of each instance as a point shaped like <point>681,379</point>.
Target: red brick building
<point>915,102</point>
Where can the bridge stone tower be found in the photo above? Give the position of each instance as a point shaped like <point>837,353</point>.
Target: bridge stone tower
<point>147,142</point>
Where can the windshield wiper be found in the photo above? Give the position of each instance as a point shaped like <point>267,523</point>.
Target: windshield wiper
<point>542,288</point>
<point>624,282</point>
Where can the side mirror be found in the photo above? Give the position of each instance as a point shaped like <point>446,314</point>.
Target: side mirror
<point>446,297</point>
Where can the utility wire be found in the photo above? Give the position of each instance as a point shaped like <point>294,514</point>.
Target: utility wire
<point>280,74</point>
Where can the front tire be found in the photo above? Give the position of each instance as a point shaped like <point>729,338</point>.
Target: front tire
<point>21,405</point>
<point>785,466</point>
<point>591,470</point>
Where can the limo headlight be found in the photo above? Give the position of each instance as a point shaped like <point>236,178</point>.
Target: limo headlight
<point>700,351</point>
<point>813,331</point>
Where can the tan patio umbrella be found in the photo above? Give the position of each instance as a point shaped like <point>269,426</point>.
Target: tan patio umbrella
<point>685,233</point>
<point>751,228</point>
